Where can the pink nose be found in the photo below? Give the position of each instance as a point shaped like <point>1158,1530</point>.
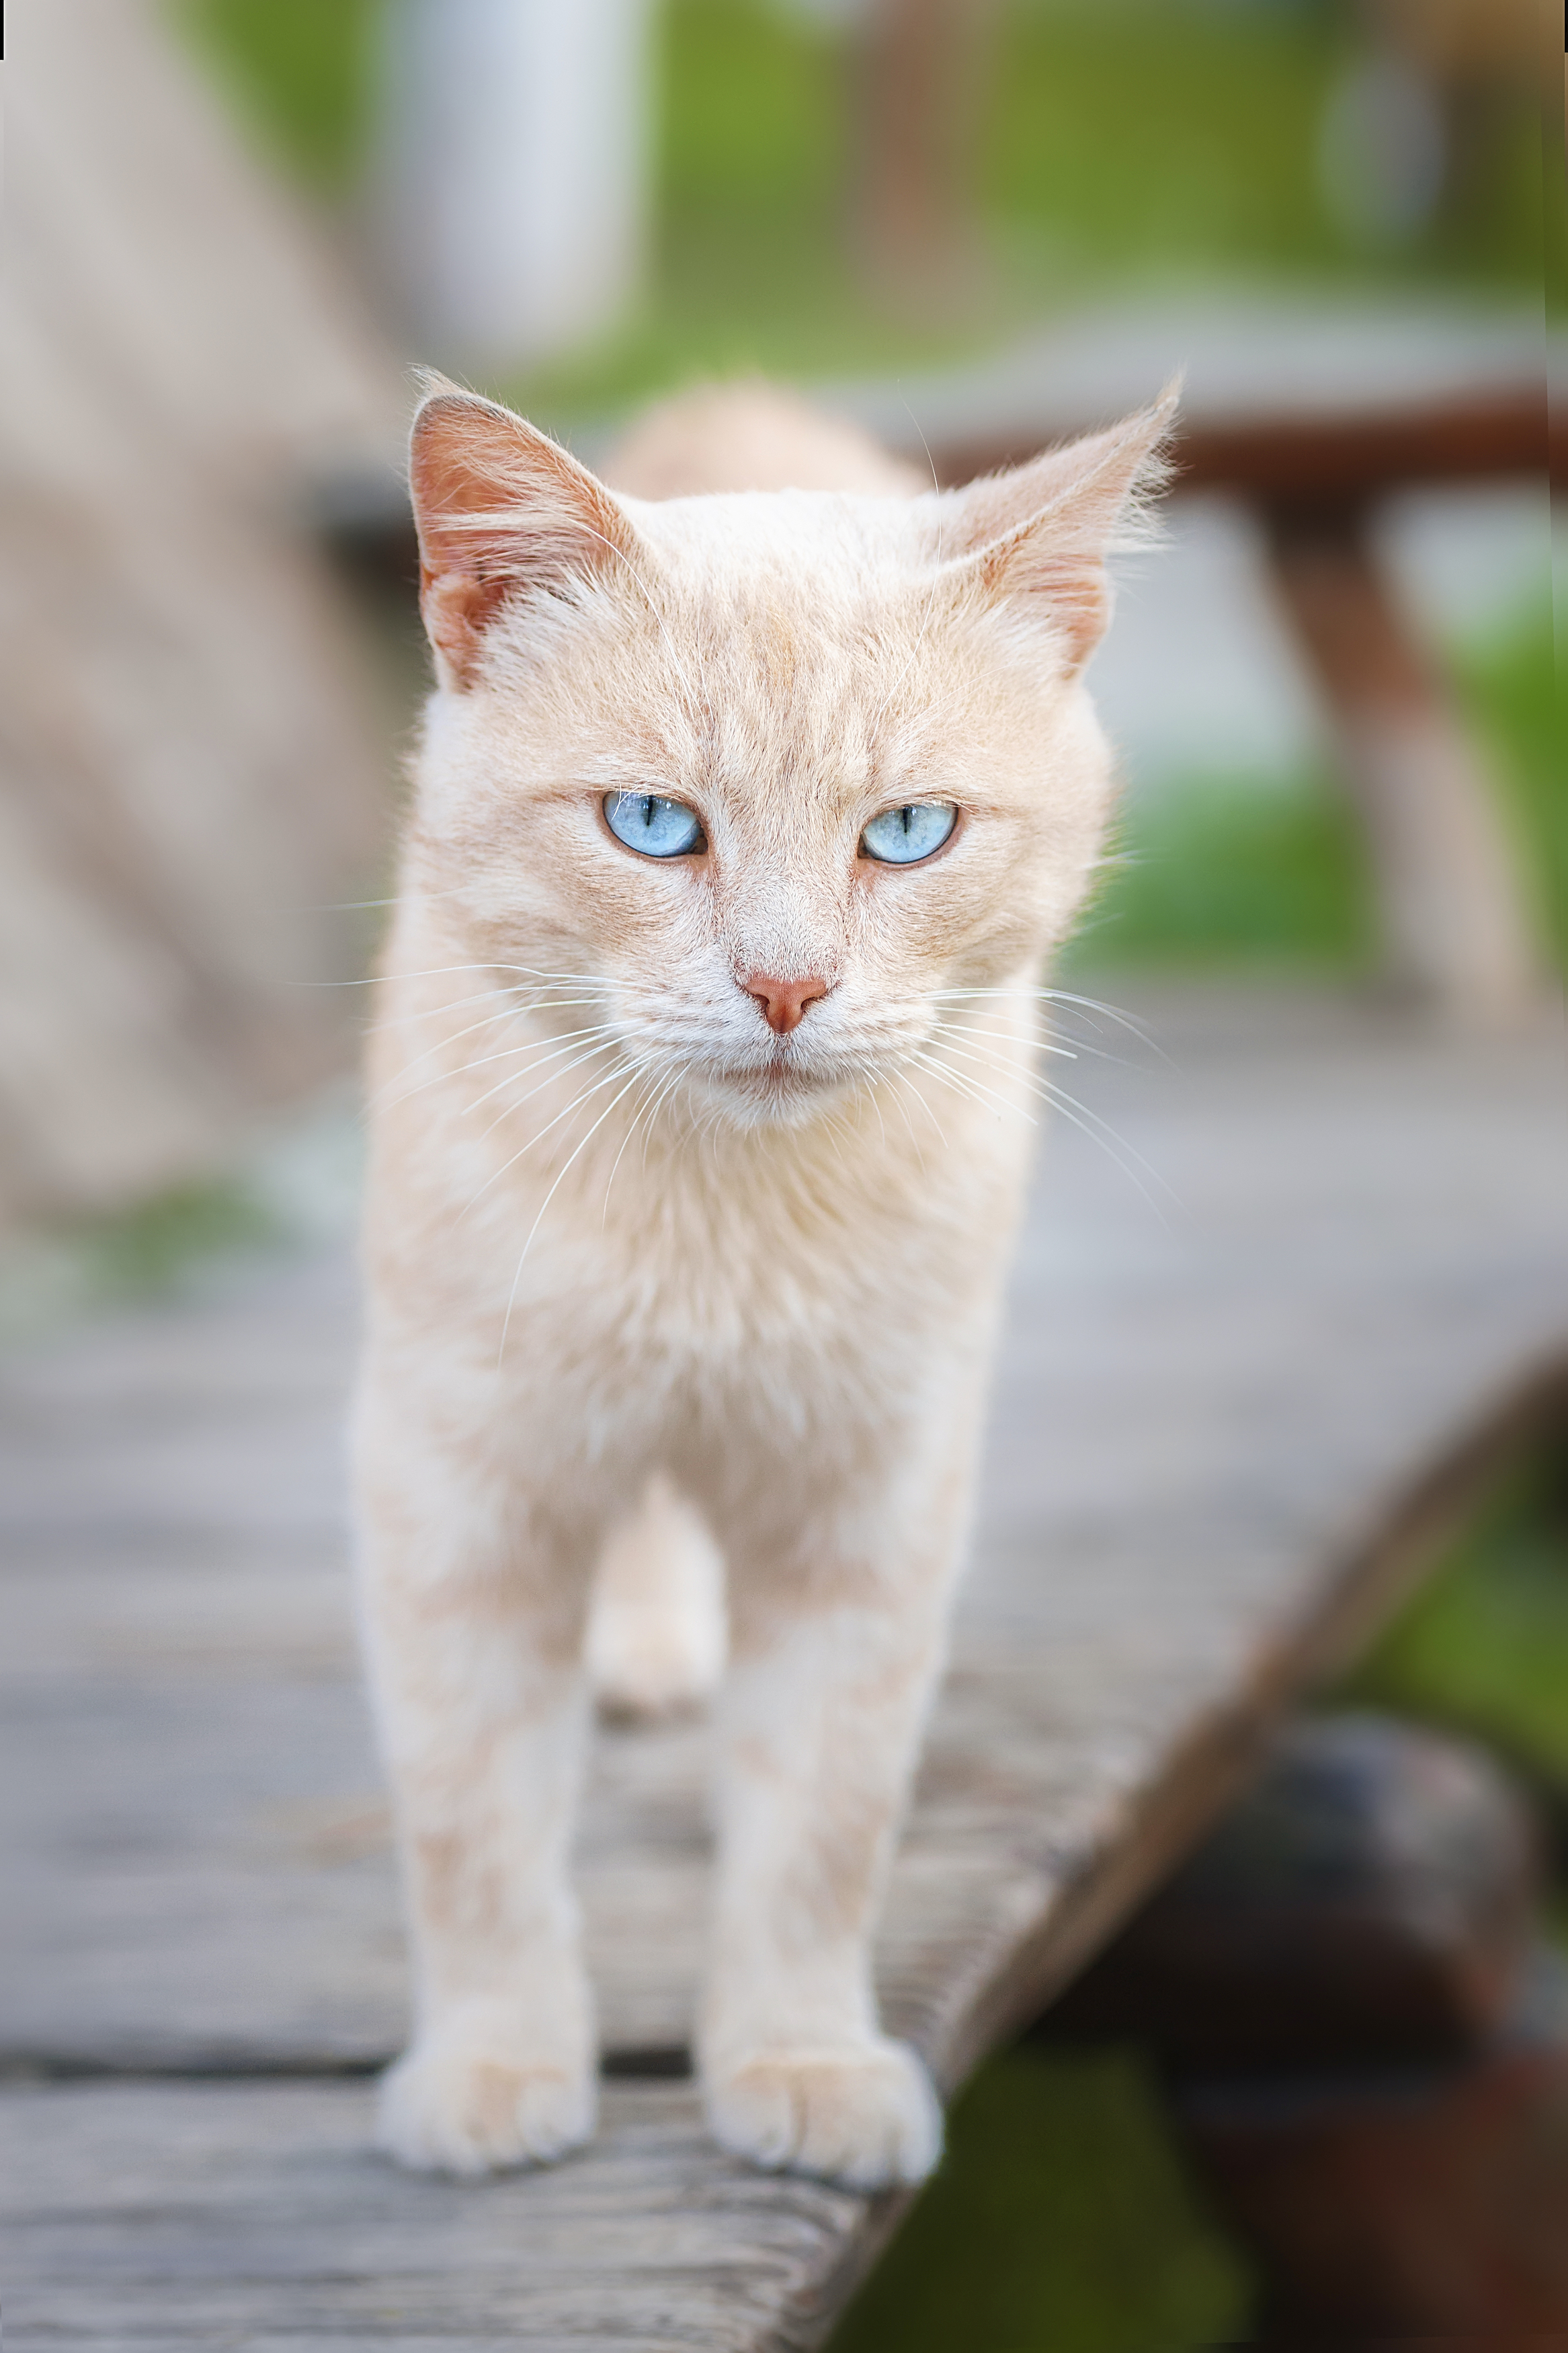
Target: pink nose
<point>784,1002</point>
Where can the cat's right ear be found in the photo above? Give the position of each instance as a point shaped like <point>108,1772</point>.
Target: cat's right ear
<point>499,507</point>
<point>1038,534</point>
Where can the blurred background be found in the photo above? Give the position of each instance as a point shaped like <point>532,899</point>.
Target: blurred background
<point>977,224</point>
<point>232,227</point>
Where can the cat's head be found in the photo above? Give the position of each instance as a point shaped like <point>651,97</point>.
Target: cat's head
<point>772,775</point>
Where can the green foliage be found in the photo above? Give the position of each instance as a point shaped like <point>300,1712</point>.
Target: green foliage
<point>1211,870</point>
<point>1483,1646</point>
<point>1513,693</point>
<point>1129,140</point>
<point>1145,136</point>
<point>300,72</point>
<point>753,113</point>
<point>750,267</point>
<point>1148,137</point>
<point>1060,2222</point>
<point>140,1253</point>
<point>150,1248</point>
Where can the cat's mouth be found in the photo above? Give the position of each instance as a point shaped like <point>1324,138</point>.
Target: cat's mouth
<point>779,1084</point>
<point>783,1079</point>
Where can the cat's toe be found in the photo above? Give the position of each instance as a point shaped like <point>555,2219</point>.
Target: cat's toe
<point>865,2116</point>
<point>445,2108</point>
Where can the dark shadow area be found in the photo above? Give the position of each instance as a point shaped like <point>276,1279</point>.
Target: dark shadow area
<point>1358,2001</point>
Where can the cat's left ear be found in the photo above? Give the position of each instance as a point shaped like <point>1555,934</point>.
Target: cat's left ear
<point>500,508</point>
<point>1040,532</point>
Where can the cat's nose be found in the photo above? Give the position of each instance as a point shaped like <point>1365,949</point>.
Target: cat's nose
<point>784,1002</point>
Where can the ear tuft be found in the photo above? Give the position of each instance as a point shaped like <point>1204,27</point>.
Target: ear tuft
<point>1043,531</point>
<point>499,507</point>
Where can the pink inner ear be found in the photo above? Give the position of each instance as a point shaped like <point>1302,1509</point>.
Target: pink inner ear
<point>499,507</point>
<point>1042,530</point>
<point>1070,582</point>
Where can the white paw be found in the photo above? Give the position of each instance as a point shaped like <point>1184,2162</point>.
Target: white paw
<point>655,1633</point>
<point>865,2114</point>
<point>450,2107</point>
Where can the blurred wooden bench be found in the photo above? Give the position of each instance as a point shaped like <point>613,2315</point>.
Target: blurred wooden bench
<point>1226,1439</point>
<point>1315,418</point>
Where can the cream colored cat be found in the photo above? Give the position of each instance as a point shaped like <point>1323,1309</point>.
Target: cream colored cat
<point>706,1049</point>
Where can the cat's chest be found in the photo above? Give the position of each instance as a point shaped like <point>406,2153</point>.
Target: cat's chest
<point>698,1276</point>
<point>819,1263</point>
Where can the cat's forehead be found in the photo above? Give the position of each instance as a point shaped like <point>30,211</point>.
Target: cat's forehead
<point>806,626</point>
<point>800,604</point>
<point>795,650</point>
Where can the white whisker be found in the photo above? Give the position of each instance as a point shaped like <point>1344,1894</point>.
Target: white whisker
<point>538,1137</point>
<point>453,1038</point>
<point>675,1079</point>
<point>1126,1155</point>
<point>1037,1043</point>
<point>566,1164</point>
<point>657,1088</point>
<point>904,1080</point>
<point>508,1111</point>
<point>453,1004</point>
<point>505,1054</point>
<point>972,1089</point>
<point>571,1045</point>
<point>1062,996</point>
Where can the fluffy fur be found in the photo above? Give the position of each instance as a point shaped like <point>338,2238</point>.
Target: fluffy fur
<point>632,1257</point>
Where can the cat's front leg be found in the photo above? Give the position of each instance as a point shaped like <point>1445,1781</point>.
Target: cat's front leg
<point>836,1651</point>
<point>472,1610</point>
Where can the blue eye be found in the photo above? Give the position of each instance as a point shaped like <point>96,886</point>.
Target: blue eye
<point>657,828</point>
<point>902,837</point>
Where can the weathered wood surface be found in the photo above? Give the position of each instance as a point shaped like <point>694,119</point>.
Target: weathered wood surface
<point>191,764</point>
<point>1283,398</point>
<point>1210,1465</point>
<point>173,2215</point>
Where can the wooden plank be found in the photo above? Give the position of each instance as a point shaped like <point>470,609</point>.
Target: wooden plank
<point>1291,397</point>
<point>1299,462</point>
<point>1308,460</point>
<point>1196,1423</point>
<point>1207,1473</point>
<point>176,2215</point>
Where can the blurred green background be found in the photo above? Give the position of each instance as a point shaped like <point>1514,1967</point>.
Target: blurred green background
<point>1121,140</point>
<point>1125,146</point>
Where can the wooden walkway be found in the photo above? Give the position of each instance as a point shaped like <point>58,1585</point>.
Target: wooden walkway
<point>1221,1444</point>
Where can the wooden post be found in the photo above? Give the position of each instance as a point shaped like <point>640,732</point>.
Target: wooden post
<point>922,71</point>
<point>1426,2207</point>
<point>1455,927</point>
<point>1365,2046</point>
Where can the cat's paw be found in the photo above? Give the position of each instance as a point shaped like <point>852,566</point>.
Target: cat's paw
<point>864,2114</point>
<point>450,2107</point>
